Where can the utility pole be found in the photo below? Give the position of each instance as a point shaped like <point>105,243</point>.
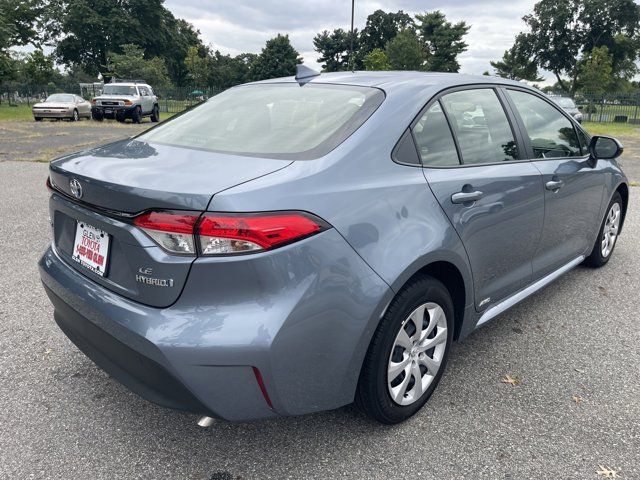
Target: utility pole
<point>353,6</point>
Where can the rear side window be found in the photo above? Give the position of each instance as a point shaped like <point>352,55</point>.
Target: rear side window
<point>481,126</point>
<point>434,140</point>
<point>551,133</point>
<point>285,120</point>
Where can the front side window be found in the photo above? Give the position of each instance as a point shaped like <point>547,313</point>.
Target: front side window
<point>272,120</point>
<point>434,140</point>
<point>551,133</point>
<point>481,126</point>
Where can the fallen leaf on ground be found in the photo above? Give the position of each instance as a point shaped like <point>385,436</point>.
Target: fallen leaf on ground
<point>607,472</point>
<point>510,380</point>
<point>577,399</point>
<point>579,370</point>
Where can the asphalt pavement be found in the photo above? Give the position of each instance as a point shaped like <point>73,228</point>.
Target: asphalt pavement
<point>574,347</point>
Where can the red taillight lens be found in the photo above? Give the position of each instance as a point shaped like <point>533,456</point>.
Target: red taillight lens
<point>224,234</point>
<point>221,234</point>
<point>48,184</point>
<point>173,231</point>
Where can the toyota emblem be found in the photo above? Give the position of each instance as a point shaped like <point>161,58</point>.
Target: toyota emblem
<point>76,188</point>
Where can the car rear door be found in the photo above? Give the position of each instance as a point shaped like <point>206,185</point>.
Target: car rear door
<point>573,188</point>
<point>473,163</point>
<point>147,100</point>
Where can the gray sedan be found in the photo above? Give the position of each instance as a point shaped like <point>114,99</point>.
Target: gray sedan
<point>298,244</point>
<point>62,105</point>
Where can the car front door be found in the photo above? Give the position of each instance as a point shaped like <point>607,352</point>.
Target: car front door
<point>573,188</point>
<point>494,200</point>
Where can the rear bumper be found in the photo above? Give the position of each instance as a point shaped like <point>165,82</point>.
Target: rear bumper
<point>303,315</point>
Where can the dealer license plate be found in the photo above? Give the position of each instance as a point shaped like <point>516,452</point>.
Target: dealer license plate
<point>91,248</point>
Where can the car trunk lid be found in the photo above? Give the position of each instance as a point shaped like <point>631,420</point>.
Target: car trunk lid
<point>120,180</point>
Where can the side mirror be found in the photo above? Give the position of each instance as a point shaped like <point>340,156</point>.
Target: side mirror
<point>604,148</point>
<point>580,107</point>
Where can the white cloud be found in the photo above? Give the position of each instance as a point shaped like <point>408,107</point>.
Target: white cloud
<point>244,26</point>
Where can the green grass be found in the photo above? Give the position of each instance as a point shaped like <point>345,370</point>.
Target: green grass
<point>19,113</point>
<point>613,129</point>
<point>22,113</point>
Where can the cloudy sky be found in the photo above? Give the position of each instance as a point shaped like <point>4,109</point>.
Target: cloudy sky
<point>235,26</point>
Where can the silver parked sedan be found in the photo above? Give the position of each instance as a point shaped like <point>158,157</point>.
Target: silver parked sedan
<point>62,105</point>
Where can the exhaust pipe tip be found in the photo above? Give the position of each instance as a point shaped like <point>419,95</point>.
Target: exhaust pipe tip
<point>205,421</point>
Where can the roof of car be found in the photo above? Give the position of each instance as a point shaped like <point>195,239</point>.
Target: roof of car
<point>391,79</point>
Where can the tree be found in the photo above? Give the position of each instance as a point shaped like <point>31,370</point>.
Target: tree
<point>382,27</point>
<point>563,32</point>
<point>405,52</point>
<point>39,68</point>
<point>595,70</point>
<point>334,49</point>
<point>90,29</point>
<point>443,41</point>
<point>132,64</point>
<point>376,59</point>
<point>198,67</point>
<point>23,18</point>
<point>516,63</point>
<point>277,59</point>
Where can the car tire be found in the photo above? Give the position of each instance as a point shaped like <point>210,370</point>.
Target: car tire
<point>38,119</point>
<point>136,115</point>
<point>121,117</point>
<point>155,114</point>
<point>607,235</point>
<point>97,116</point>
<point>74,116</point>
<point>389,397</point>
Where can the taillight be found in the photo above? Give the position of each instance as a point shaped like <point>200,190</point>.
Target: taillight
<point>173,231</point>
<point>226,234</point>
<point>48,184</point>
<point>221,234</point>
<point>93,101</point>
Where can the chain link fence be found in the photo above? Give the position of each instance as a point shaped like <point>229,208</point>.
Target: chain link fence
<point>601,108</point>
<point>609,107</point>
<point>171,100</point>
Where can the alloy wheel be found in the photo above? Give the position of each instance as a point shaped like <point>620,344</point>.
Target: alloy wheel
<point>610,230</point>
<point>417,353</point>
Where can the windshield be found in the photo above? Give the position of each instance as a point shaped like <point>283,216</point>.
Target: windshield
<point>272,120</point>
<point>119,90</point>
<point>565,102</point>
<point>60,97</point>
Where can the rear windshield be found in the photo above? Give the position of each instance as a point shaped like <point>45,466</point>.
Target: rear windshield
<point>564,102</point>
<point>119,90</point>
<point>272,120</point>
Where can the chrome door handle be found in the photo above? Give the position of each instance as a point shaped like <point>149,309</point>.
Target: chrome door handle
<point>466,197</point>
<point>554,185</point>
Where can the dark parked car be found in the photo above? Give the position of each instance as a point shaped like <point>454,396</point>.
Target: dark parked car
<point>568,105</point>
<point>293,245</point>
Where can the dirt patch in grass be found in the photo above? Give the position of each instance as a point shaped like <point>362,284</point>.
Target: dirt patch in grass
<point>43,141</point>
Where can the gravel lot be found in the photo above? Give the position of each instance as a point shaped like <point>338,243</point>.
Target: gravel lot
<point>62,417</point>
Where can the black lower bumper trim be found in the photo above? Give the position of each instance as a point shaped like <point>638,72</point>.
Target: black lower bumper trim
<point>135,371</point>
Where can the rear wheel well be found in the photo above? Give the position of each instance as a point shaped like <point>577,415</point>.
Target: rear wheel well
<point>623,190</point>
<point>450,276</point>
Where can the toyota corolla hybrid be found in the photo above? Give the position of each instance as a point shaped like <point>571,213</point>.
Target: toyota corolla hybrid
<point>298,244</point>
